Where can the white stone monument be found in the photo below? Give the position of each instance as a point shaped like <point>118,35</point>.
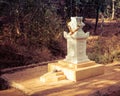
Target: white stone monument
<point>76,41</point>
<point>76,66</point>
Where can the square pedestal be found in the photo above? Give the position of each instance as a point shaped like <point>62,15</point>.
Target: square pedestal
<point>76,72</point>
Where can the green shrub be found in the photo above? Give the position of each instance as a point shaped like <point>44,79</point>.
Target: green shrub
<point>104,49</point>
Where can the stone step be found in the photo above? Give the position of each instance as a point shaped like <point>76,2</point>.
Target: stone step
<point>58,73</point>
<point>53,74</point>
<point>52,77</point>
<point>75,66</point>
<point>61,77</point>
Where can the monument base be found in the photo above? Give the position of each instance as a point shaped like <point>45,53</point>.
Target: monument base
<point>76,72</point>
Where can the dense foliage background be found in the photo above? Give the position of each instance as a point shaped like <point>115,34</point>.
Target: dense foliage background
<point>31,30</point>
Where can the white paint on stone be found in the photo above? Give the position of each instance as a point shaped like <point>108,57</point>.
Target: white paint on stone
<point>76,42</point>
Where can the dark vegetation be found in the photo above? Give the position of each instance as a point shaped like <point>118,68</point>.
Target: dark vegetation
<point>3,84</point>
<point>31,30</point>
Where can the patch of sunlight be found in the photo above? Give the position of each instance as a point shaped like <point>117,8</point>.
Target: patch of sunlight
<point>19,86</point>
<point>93,37</point>
<point>117,69</point>
<point>83,83</point>
<point>102,83</point>
<point>71,92</point>
<point>31,83</point>
<point>83,92</point>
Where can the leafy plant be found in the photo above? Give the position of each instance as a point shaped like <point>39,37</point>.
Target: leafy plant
<point>104,49</point>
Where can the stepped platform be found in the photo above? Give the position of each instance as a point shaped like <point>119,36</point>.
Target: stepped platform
<point>76,72</point>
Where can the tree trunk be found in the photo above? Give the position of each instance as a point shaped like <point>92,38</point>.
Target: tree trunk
<point>113,9</point>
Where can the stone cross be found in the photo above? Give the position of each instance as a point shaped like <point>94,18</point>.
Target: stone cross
<point>76,41</point>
